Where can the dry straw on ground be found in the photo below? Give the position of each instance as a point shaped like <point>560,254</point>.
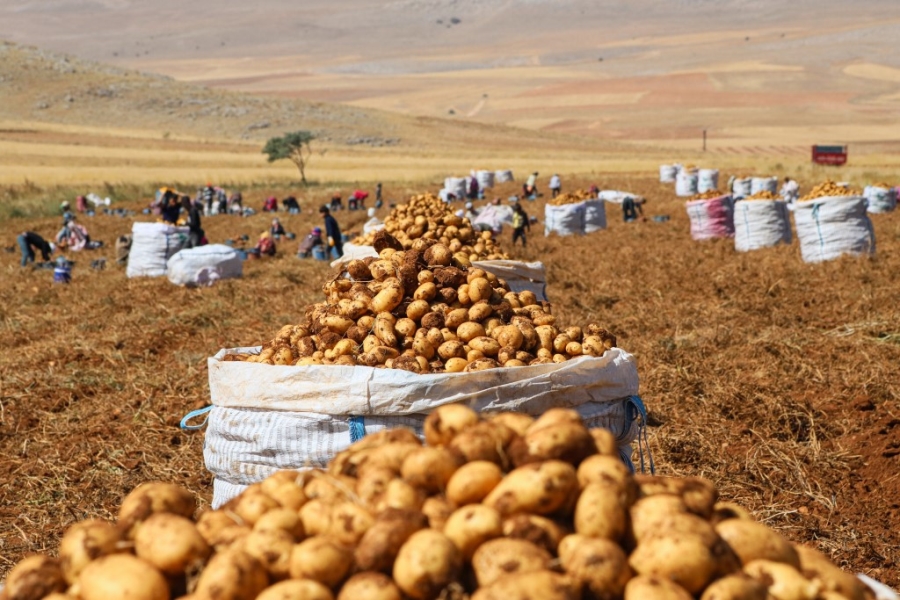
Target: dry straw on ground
<point>774,378</point>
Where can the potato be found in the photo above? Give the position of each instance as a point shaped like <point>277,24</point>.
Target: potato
<point>426,564</point>
<point>538,488</point>
<point>35,577</point>
<point>430,468</point>
<point>369,586</point>
<point>286,489</point>
<point>390,455</point>
<point>349,522</point>
<point>752,541</point>
<point>479,312</point>
<point>379,546</point>
<point>735,587</point>
<point>400,494</point>
<point>296,589</point>
<point>282,519</point>
<point>685,559</point>
<point>315,516</point>
<point>322,560</point>
<point>783,581</point>
<point>481,364</point>
<point>251,505</point>
<point>417,309</point>
<point>815,565</point>
<point>472,482</point>
<point>497,558</point>
<point>570,442</point>
<point>456,365</point>
<point>456,317</point>
<point>84,542</point>
<point>600,565</point>
<point>601,511</point>
<point>483,441</point>
<point>518,422</point>
<point>272,548</point>
<point>668,524</point>
<point>728,510</point>
<point>122,576</point>
<point>388,298</point>
<point>646,587</point>
<point>486,345</point>
<point>699,494</point>
<point>605,441</point>
<point>540,531</point>
<point>509,336</point>
<point>599,468</point>
<point>451,349</point>
<point>469,331</point>
<point>437,510</point>
<point>220,528</point>
<point>446,421</point>
<point>545,585</point>
<point>230,575</point>
<point>154,497</point>
<point>470,526</point>
<point>171,543</point>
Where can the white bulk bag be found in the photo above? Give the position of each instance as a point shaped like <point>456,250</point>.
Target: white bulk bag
<point>831,226</point>
<point>455,186</point>
<point>567,219</point>
<point>372,225</point>
<point>879,199</point>
<point>204,265</point>
<point>686,184</point>
<point>594,215</point>
<point>667,173</point>
<point>707,180</point>
<point>741,188</point>
<point>615,196</point>
<point>153,244</point>
<point>494,217</point>
<point>760,224</point>
<point>503,176</point>
<point>265,418</point>
<point>763,184</point>
<point>485,179</point>
<point>712,218</point>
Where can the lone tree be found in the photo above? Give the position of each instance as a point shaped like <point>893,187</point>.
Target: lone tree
<point>293,146</point>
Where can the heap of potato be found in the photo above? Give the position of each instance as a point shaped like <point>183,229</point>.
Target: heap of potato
<point>763,195</point>
<point>709,195</point>
<point>572,198</point>
<point>428,217</point>
<point>426,310</point>
<point>829,188</point>
<point>498,508</point>
<point>882,185</point>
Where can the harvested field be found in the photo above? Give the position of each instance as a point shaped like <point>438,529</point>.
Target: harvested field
<point>776,379</point>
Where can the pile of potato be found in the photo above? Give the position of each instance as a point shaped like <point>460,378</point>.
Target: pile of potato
<point>763,195</point>
<point>503,507</point>
<point>882,185</point>
<point>572,198</point>
<point>426,310</point>
<point>428,217</point>
<point>707,195</point>
<point>829,188</point>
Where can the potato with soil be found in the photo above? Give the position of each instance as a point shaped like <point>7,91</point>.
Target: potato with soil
<point>380,545</point>
<point>445,422</point>
<point>122,576</point>
<point>171,543</point>
<point>783,582</point>
<point>349,522</point>
<point>35,577</point>
<point>272,548</point>
<point>84,542</point>
<point>369,586</point>
<point>427,563</point>
<point>231,575</point>
<point>685,559</point>
<point>816,566</point>
<point>154,497</point>
<point>322,560</point>
<point>753,541</point>
<point>472,482</point>
<point>498,558</point>
<point>430,468</point>
<point>600,565</point>
<point>568,441</point>
<point>735,587</point>
<point>543,585</point>
<point>540,531</point>
<point>282,519</point>
<point>647,587</point>
<point>296,589</point>
<point>602,511</point>
<point>538,488</point>
<point>471,526</point>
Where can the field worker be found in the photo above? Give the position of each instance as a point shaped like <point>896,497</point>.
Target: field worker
<point>73,236</point>
<point>790,191</point>
<point>291,205</point>
<point>277,229</point>
<point>378,199</point>
<point>336,202</point>
<point>206,195</point>
<point>29,241</point>
<point>195,231</point>
<point>530,186</point>
<point>271,204</point>
<point>470,213</point>
<point>332,232</point>
<point>64,207</point>
<point>555,185</point>
<point>373,224</point>
<point>520,223</point>
<point>631,208</point>
<point>266,245</point>
<point>221,201</point>
<point>235,202</point>
<point>170,208</point>
<point>309,242</point>
<point>473,189</point>
<point>81,204</point>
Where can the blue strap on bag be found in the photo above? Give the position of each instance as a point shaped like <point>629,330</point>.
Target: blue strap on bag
<point>357,429</point>
<point>638,412</point>
<point>193,415</point>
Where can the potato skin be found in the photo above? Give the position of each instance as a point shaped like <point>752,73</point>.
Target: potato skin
<point>538,488</point>
<point>754,541</point>
<point>472,482</point>
<point>84,542</point>
<point>296,589</point>
<point>123,576</point>
<point>735,587</point>
<point>170,543</point>
<point>498,558</point>
<point>543,584</point>
<point>154,497</point>
<point>471,526</point>
<point>35,577</point>
<point>600,565</point>
<point>380,545</point>
<point>430,468</point>
<point>540,531</point>
<point>446,421</point>
<point>685,559</point>
<point>644,587</point>
<point>815,565</point>
<point>426,564</point>
<point>602,511</point>
<point>322,560</point>
<point>369,586</point>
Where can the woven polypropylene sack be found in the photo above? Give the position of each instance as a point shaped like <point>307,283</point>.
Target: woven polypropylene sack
<point>567,219</point>
<point>710,219</point>
<point>667,173</point>
<point>879,199</point>
<point>741,188</point>
<point>152,245</point>
<point>503,176</point>
<point>763,184</point>
<point>485,179</point>
<point>456,186</point>
<point>594,215</point>
<point>760,224</point>
<point>265,418</point>
<point>686,184</point>
<point>707,180</point>
<point>195,266</point>
<point>833,226</point>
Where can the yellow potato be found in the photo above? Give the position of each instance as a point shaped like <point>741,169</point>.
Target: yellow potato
<point>735,587</point>
<point>426,564</point>
<point>470,526</point>
<point>498,558</point>
<point>601,511</point>
<point>154,497</point>
<point>84,542</point>
<point>399,494</point>
<point>221,528</point>
<point>469,331</point>
<point>646,587</point>
<point>815,565</point>
<point>272,549</point>
<point>472,482</point>
<point>35,577</point>
<point>442,425</point>
<point>349,522</point>
<point>315,516</point>
<point>430,468</point>
<point>437,510</point>
<point>685,559</point>
<point>232,574</point>
<point>783,581</point>
<point>322,560</point>
<point>570,442</point>
<point>282,519</point>
<point>369,586</point>
<point>379,546</point>
<point>170,543</point>
<point>252,504</point>
<point>540,531</point>
<point>752,541</point>
<point>600,565</point>
<point>296,589</point>
<point>122,576</point>
<point>539,488</point>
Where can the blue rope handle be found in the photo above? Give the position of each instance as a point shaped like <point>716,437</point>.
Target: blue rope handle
<point>357,429</point>
<point>815,214</point>
<point>639,411</point>
<point>193,415</point>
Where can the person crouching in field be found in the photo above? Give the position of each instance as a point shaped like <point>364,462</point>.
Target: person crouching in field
<point>266,245</point>
<point>29,241</point>
<point>520,223</point>
<point>313,240</point>
<point>195,232</point>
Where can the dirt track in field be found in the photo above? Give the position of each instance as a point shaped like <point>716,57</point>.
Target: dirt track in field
<point>775,379</point>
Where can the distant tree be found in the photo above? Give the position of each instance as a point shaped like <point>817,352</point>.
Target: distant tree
<point>293,146</point>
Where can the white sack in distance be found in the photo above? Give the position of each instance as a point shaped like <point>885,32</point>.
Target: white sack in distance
<point>760,224</point>
<point>832,226</point>
<point>204,265</point>
<point>153,244</point>
<point>763,184</point>
<point>741,188</point>
<point>707,180</point>
<point>568,219</point>
<point>712,218</point>
<point>503,176</point>
<point>879,199</point>
<point>667,173</point>
<point>686,184</point>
